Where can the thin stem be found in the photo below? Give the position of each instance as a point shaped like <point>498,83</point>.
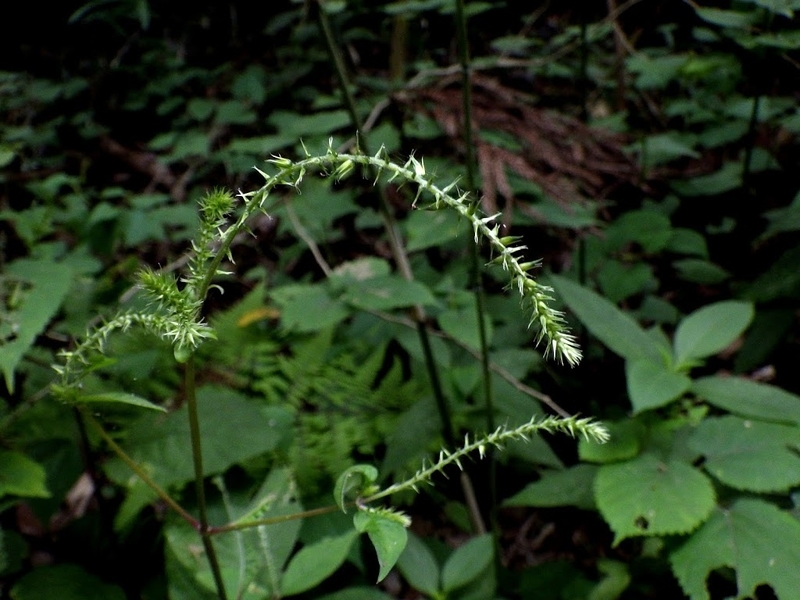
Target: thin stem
<point>475,266</point>
<point>390,225</point>
<point>141,473</point>
<point>238,526</point>
<point>197,460</point>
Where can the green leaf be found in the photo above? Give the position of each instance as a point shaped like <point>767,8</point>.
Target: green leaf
<point>652,385</point>
<point>664,147</point>
<point>388,536</point>
<point>21,476</point>
<point>251,559</point>
<point>728,178</point>
<point>749,398</point>
<point>648,497</point>
<point>316,562</point>
<point>38,289</point>
<point>727,18</point>
<point>462,324</point>
<point>467,562</point>
<point>233,430</point>
<point>617,579</point>
<point>570,487</point>
<point>67,582</point>
<point>758,540</point>
<point>118,398</point>
<point>701,271</point>
<point>419,566</point>
<point>749,455</point>
<point>356,593</point>
<point>353,480</point>
<point>710,329</point>
<point>616,329</point>
<point>625,442</point>
<point>387,292</point>
<point>307,308</point>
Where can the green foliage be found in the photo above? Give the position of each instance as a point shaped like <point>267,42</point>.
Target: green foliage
<point>678,259</point>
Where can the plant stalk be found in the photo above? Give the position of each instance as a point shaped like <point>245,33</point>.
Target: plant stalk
<point>475,266</point>
<point>197,460</point>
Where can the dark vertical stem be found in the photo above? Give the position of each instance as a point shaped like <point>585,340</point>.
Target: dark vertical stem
<point>750,143</point>
<point>475,266</point>
<point>197,460</point>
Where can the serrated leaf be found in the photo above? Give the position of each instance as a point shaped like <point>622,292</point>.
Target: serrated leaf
<point>649,497</point>
<point>353,479</point>
<point>21,476</point>
<point>316,562</point>
<point>118,398</point>
<point>624,442</point>
<point>652,385</point>
<point>42,287</point>
<point>749,455</point>
<point>616,329</point>
<point>758,540</point>
<point>570,487</point>
<point>710,329</point>
<point>419,566</point>
<point>750,398</point>
<point>388,536</point>
<point>467,562</point>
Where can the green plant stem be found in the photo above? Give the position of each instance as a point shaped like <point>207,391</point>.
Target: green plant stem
<point>391,227</point>
<point>141,473</point>
<point>197,460</point>
<point>475,266</point>
<point>238,526</point>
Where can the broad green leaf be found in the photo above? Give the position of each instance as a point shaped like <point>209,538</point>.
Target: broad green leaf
<point>118,398</point>
<point>21,476</point>
<point>467,562</point>
<point>664,147</point>
<point>233,429</point>
<point>462,324</point>
<point>609,324</point>
<point>412,434</point>
<point>425,229</point>
<point>648,497</point>
<point>700,271</point>
<point>749,455</point>
<point>754,537</point>
<point>616,580</point>
<point>353,480</point>
<point>298,125</point>
<point>650,229</point>
<point>66,582</point>
<point>316,562</point>
<point>387,292</point>
<point>619,280</point>
<point>652,385</point>
<point>307,308</point>
<point>570,487</point>
<point>750,398</point>
<point>727,18</point>
<point>37,289</point>
<point>251,559</point>
<point>419,566</point>
<point>625,442</point>
<point>388,535</point>
<point>356,593</point>
<point>727,178</point>
<point>710,329</point>
<point>781,7</point>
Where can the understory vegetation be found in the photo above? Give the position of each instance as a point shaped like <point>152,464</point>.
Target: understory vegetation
<point>400,299</point>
